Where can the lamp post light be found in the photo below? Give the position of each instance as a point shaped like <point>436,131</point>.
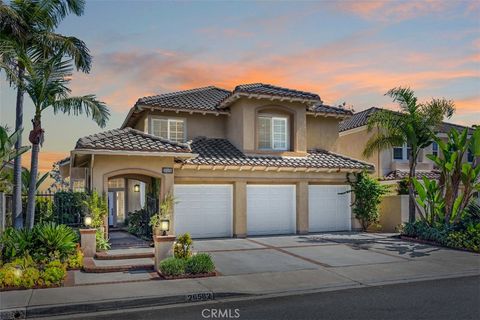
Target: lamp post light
<point>164,226</point>
<point>87,221</point>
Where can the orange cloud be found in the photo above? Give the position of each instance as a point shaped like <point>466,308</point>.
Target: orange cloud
<point>468,105</point>
<point>46,159</point>
<point>395,11</point>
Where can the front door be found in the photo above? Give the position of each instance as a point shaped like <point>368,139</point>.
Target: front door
<point>116,208</point>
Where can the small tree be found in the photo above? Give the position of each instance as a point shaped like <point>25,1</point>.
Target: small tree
<point>368,193</point>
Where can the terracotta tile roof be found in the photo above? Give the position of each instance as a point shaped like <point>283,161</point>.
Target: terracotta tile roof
<point>205,99</point>
<point>129,139</point>
<point>221,152</point>
<point>321,108</point>
<point>402,174</point>
<point>268,89</point>
<point>361,118</point>
<point>357,120</point>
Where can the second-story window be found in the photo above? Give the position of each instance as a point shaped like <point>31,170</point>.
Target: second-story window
<point>470,156</point>
<point>171,129</point>
<point>272,133</point>
<point>402,153</point>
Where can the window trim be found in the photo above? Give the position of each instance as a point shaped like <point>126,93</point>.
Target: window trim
<point>273,117</point>
<point>405,149</point>
<point>158,118</point>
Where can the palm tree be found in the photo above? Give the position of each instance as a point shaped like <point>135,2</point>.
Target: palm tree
<point>414,126</point>
<point>28,25</point>
<point>46,82</point>
<point>7,147</point>
<point>26,177</point>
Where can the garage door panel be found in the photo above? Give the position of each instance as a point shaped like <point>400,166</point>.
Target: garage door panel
<point>204,211</point>
<point>329,208</point>
<point>271,209</point>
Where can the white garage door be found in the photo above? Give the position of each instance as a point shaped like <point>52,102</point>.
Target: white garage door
<point>270,209</point>
<point>203,210</point>
<point>327,209</point>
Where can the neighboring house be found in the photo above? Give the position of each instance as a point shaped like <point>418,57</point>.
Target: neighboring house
<point>255,160</point>
<point>389,164</point>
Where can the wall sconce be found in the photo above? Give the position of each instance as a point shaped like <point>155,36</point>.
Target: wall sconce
<point>136,188</point>
<point>87,221</point>
<point>164,226</point>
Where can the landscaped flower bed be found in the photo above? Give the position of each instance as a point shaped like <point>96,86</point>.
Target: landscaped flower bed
<point>38,258</point>
<point>196,266</point>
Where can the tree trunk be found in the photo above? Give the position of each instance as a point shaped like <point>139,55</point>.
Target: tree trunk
<point>17,166</point>
<point>36,138</point>
<point>411,190</point>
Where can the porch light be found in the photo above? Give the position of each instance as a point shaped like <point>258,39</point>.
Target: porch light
<point>136,188</point>
<point>164,226</point>
<point>87,221</point>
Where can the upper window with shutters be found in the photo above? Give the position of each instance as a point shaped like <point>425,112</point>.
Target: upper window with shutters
<point>169,128</point>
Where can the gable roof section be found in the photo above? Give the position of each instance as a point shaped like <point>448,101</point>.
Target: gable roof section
<point>357,120</point>
<point>213,151</point>
<point>403,174</point>
<point>261,90</point>
<point>360,119</point>
<point>216,100</point>
<point>129,139</point>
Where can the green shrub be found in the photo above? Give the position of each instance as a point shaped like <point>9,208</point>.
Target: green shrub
<point>54,240</point>
<point>16,243</point>
<point>97,207</point>
<point>368,193</point>
<point>102,243</point>
<point>21,272</point>
<point>200,263</point>
<point>183,247</point>
<point>69,207</point>
<point>172,267</point>
<point>54,273</point>
<point>75,261</point>
<point>139,224</point>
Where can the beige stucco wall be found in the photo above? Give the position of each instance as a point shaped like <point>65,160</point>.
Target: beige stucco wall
<point>393,212</point>
<point>322,132</point>
<point>241,127</point>
<point>353,144</point>
<point>208,125</point>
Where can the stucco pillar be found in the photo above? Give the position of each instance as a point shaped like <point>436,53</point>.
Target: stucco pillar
<point>302,207</point>
<point>240,209</point>
<point>163,248</point>
<point>88,242</point>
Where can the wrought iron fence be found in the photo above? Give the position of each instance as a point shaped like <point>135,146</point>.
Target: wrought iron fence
<point>62,207</point>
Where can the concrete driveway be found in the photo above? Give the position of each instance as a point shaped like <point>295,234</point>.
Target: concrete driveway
<point>359,255</point>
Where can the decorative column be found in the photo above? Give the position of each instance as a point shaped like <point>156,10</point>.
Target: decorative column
<point>240,209</point>
<point>88,242</point>
<point>163,248</point>
<point>302,207</point>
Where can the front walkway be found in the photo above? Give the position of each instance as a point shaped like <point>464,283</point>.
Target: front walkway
<point>120,239</point>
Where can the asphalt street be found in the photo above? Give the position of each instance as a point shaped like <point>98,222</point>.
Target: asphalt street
<point>457,299</point>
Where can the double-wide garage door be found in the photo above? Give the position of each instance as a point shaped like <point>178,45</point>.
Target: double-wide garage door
<point>203,210</point>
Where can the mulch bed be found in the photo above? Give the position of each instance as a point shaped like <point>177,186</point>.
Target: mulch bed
<point>188,276</point>
<point>433,243</point>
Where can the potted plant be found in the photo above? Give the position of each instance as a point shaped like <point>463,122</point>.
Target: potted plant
<point>160,222</point>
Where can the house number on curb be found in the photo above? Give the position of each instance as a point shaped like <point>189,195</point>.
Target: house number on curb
<point>204,296</point>
<point>167,170</point>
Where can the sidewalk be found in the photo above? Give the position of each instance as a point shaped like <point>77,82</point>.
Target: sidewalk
<point>92,298</point>
<point>250,267</point>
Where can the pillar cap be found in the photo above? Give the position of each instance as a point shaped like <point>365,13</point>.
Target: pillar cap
<point>87,231</point>
<point>164,238</point>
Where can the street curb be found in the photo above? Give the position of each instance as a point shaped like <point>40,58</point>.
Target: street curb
<point>108,305</point>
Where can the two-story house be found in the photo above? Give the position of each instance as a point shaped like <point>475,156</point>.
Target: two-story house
<point>390,164</point>
<point>255,160</point>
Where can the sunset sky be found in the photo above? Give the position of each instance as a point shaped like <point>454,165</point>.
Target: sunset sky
<point>349,52</point>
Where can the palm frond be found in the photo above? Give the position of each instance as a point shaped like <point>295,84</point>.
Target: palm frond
<point>87,104</point>
<point>382,141</point>
<point>405,97</point>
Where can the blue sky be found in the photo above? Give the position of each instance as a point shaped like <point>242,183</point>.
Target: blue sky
<point>350,51</point>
